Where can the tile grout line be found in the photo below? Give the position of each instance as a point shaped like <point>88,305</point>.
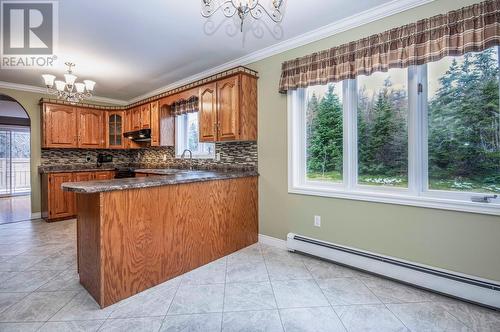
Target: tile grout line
<point>272,288</point>
<point>331,306</point>
<point>385,304</point>
<point>224,297</point>
<point>65,304</point>
<point>171,301</point>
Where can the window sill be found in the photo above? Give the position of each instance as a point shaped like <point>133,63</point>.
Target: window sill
<point>394,198</point>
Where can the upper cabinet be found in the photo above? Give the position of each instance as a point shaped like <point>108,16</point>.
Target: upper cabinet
<point>208,112</point>
<point>228,109</point>
<point>145,116</point>
<point>227,112</point>
<point>59,126</point>
<point>91,128</point>
<point>135,118</point>
<point>114,130</point>
<point>154,117</point>
<point>65,126</point>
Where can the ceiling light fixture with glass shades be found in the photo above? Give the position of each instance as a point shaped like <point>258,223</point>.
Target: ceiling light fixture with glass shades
<point>69,90</point>
<point>243,8</point>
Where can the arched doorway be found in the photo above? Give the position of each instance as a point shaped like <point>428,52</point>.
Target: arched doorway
<point>15,177</point>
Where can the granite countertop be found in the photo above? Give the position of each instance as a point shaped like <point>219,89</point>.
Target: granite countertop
<point>178,177</point>
<point>74,168</point>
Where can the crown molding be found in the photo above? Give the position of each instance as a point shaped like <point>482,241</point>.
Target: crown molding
<point>348,23</point>
<point>43,91</point>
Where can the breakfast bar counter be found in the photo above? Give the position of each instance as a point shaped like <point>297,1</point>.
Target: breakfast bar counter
<point>133,234</point>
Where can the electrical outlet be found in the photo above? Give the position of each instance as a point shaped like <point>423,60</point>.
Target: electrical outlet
<point>164,157</point>
<point>217,156</point>
<point>317,221</point>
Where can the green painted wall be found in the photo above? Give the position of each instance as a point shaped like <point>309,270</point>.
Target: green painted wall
<point>29,101</point>
<point>462,242</point>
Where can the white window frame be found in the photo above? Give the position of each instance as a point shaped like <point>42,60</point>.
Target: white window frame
<point>417,193</point>
<point>181,137</point>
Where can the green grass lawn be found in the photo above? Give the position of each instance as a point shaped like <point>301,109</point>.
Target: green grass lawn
<point>402,182</point>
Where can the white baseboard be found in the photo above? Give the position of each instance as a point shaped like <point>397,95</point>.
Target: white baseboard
<point>36,215</point>
<point>467,287</point>
<point>272,241</point>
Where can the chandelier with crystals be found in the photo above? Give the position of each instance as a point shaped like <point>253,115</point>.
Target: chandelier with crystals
<point>243,8</point>
<point>69,89</point>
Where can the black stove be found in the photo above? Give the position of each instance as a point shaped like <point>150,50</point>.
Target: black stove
<point>124,172</point>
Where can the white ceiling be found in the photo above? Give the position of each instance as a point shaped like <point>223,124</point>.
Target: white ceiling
<point>131,48</point>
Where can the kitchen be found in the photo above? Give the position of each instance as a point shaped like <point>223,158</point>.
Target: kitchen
<point>260,165</point>
<point>227,110</point>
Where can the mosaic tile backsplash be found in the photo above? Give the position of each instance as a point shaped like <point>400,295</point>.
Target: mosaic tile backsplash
<point>232,154</point>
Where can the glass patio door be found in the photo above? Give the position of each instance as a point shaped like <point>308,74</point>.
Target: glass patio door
<point>14,161</point>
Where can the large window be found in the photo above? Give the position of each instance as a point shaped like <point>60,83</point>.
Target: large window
<point>187,137</point>
<point>427,135</point>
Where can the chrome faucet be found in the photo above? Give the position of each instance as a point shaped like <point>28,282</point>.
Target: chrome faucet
<point>190,157</point>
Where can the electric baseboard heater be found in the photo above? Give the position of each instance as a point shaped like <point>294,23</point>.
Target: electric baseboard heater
<point>469,288</point>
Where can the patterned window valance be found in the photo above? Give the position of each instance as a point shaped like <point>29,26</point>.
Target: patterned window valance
<point>470,29</point>
<point>183,106</point>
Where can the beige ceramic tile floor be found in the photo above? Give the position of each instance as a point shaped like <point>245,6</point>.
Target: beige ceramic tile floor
<point>259,288</point>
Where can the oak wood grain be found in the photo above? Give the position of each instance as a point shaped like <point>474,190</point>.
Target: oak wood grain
<point>151,235</point>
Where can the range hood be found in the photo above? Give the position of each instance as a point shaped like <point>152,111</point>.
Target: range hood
<point>143,135</point>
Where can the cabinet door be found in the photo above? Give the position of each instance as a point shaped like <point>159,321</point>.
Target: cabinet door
<point>90,127</point>
<point>83,176</point>
<point>60,126</point>
<point>207,115</point>
<point>228,108</point>
<point>155,124</point>
<point>61,203</point>
<point>114,130</point>
<point>145,116</point>
<point>135,119</point>
<point>104,175</point>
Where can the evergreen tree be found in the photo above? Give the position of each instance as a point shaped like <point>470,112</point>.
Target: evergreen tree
<point>326,145</point>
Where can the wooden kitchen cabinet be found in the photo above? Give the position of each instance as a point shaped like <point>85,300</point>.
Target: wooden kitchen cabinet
<point>58,204</point>
<point>82,176</point>
<point>115,125</point>
<point>145,116</point>
<point>90,128</point>
<point>103,175</point>
<point>155,123</point>
<point>65,126</point>
<point>207,113</point>
<point>135,119</point>
<point>59,126</point>
<point>228,109</point>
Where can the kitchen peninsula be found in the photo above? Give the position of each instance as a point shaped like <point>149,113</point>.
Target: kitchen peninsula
<point>136,233</point>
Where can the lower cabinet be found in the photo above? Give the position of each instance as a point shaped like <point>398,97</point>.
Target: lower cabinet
<point>58,204</point>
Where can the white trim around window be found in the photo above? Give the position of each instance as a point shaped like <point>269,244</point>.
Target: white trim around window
<point>417,193</point>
